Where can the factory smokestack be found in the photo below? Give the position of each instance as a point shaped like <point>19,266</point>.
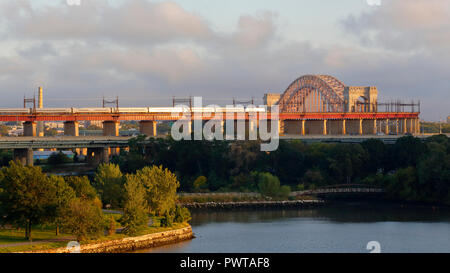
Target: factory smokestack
<point>40,125</point>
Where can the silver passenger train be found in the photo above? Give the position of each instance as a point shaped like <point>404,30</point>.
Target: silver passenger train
<point>130,110</point>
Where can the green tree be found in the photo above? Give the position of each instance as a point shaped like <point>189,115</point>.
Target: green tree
<point>161,187</point>
<point>50,132</point>
<point>58,159</point>
<point>82,186</point>
<point>64,196</point>
<point>268,184</point>
<point>27,196</point>
<point>84,218</point>
<point>135,211</point>
<point>200,182</point>
<point>5,157</point>
<point>313,177</point>
<point>111,225</point>
<point>4,130</point>
<point>108,180</point>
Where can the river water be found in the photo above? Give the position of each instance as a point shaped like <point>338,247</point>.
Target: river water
<point>336,228</point>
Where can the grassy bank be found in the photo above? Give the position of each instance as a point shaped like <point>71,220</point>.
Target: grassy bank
<point>11,240</point>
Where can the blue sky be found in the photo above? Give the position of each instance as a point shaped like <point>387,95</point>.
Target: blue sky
<point>148,51</point>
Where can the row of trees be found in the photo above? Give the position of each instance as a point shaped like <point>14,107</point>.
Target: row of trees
<point>225,166</point>
<point>29,197</point>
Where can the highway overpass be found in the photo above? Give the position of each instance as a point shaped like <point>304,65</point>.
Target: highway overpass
<point>98,148</point>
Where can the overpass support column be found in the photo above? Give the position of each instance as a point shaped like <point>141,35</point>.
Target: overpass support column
<point>24,156</point>
<point>111,128</point>
<point>324,127</point>
<point>105,155</point>
<point>95,156</point>
<point>360,130</point>
<point>29,128</point>
<point>147,127</point>
<point>386,127</point>
<point>417,126</point>
<point>374,127</point>
<point>411,126</point>
<point>344,129</point>
<point>404,126</point>
<point>303,127</point>
<point>396,127</point>
<point>71,128</point>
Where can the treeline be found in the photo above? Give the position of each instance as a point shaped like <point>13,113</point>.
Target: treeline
<point>434,127</point>
<point>409,169</point>
<point>28,197</point>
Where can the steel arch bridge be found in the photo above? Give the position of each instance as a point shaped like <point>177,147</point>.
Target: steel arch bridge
<point>313,93</point>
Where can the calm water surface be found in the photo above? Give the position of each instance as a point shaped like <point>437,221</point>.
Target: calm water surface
<point>341,228</point>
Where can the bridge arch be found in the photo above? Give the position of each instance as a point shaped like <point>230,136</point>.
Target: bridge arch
<point>313,93</point>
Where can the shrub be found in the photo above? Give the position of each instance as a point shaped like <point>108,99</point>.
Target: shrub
<point>268,184</point>
<point>284,191</point>
<point>167,220</point>
<point>182,215</point>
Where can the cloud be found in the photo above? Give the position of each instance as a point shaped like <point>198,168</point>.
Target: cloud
<point>254,31</point>
<point>148,52</point>
<point>134,21</point>
<point>403,25</point>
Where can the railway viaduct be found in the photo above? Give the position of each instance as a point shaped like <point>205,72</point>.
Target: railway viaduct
<point>312,106</point>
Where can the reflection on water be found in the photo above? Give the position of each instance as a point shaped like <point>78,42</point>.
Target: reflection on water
<point>337,228</point>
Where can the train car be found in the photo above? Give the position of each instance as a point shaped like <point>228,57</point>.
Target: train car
<point>105,110</point>
<point>132,110</point>
<point>23,111</point>
<point>176,109</point>
<point>54,110</point>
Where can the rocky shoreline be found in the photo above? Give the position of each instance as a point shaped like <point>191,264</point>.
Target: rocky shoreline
<point>131,243</point>
<point>254,204</point>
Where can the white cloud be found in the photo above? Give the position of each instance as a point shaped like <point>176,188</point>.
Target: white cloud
<point>147,52</point>
<point>404,25</point>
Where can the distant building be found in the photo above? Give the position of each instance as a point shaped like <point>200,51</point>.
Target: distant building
<point>98,123</point>
<point>448,119</point>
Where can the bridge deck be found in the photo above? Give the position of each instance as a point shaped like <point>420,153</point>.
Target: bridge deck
<point>70,142</point>
<point>202,116</point>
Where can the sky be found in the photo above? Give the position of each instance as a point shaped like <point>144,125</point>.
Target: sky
<point>146,52</point>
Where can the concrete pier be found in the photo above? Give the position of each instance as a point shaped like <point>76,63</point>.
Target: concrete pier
<point>29,128</point>
<point>71,128</point>
<point>24,156</point>
<point>111,128</point>
<point>95,156</point>
<point>148,127</point>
